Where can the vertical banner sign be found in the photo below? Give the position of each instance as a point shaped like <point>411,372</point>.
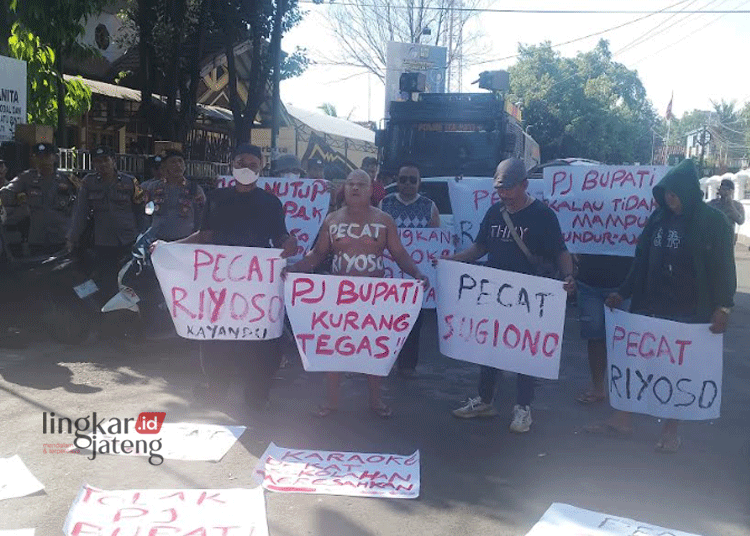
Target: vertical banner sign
<point>351,324</point>
<point>168,511</point>
<point>424,246</point>
<point>305,203</point>
<point>662,368</point>
<point>471,198</point>
<point>501,319</point>
<point>356,474</point>
<point>602,209</point>
<point>12,96</point>
<point>565,520</point>
<point>222,292</point>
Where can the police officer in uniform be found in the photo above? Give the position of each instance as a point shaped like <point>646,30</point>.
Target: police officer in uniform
<point>114,201</point>
<point>177,202</point>
<point>46,197</point>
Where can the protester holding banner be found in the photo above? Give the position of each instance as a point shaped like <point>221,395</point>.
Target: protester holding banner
<point>409,208</point>
<point>518,234</point>
<point>357,234</point>
<point>683,271</point>
<point>247,216</point>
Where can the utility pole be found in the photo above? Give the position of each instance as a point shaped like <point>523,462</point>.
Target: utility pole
<point>703,141</point>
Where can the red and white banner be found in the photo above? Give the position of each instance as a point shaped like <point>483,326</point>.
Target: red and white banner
<point>389,476</point>
<point>501,319</point>
<point>423,245</point>
<point>230,512</point>
<point>602,209</point>
<point>222,292</point>
<point>351,324</point>
<point>305,202</point>
<point>662,368</point>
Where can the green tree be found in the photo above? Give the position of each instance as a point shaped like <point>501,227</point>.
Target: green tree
<point>328,109</point>
<point>43,78</point>
<point>58,25</point>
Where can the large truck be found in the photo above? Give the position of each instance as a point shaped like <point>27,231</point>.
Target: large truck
<point>455,134</point>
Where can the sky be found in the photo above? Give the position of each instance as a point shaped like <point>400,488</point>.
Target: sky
<point>699,57</point>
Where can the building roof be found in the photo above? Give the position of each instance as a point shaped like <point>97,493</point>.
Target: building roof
<point>333,126</point>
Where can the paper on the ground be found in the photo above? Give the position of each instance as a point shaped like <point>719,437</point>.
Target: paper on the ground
<point>565,520</point>
<point>338,473</point>
<point>168,511</point>
<point>178,441</point>
<point>15,479</point>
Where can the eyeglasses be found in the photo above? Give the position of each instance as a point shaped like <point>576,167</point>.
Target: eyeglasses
<point>403,179</point>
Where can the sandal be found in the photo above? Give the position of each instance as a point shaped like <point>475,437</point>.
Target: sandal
<point>589,397</point>
<point>324,410</point>
<point>668,444</point>
<point>383,411</point>
<point>608,430</point>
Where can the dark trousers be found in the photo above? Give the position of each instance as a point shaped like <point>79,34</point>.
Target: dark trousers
<point>109,260</point>
<point>407,358</point>
<point>524,386</point>
<point>256,362</point>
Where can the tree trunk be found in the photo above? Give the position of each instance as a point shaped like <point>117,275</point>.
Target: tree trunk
<point>5,26</point>
<point>62,121</point>
<point>145,28</point>
<point>276,61</point>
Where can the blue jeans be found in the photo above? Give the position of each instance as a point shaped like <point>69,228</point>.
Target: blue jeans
<point>524,386</point>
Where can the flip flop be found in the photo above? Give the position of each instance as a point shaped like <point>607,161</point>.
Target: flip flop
<point>589,397</point>
<point>384,411</point>
<point>668,444</point>
<point>324,411</point>
<point>608,430</point>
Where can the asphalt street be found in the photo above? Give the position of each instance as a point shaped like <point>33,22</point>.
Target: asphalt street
<point>476,477</point>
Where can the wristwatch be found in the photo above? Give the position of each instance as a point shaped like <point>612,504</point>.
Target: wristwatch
<point>725,310</point>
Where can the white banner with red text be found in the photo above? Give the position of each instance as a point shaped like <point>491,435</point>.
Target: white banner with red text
<point>500,319</point>
<point>351,324</point>
<point>305,203</point>
<point>423,245</point>
<point>389,476</point>
<point>167,511</point>
<point>662,368</point>
<point>602,209</point>
<point>222,292</point>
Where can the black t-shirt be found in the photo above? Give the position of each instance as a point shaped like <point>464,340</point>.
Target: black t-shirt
<point>671,279</point>
<point>603,271</point>
<point>250,219</point>
<point>537,226</point>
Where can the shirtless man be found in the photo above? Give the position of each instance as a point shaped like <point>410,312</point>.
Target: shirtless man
<point>357,234</point>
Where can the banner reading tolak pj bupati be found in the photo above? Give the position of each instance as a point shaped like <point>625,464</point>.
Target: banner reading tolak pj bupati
<point>504,320</point>
<point>222,292</point>
<point>662,368</point>
<point>424,245</point>
<point>602,209</point>
<point>351,324</point>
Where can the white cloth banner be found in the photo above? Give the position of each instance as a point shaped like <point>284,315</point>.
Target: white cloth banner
<point>16,480</point>
<point>565,520</point>
<point>167,511</point>
<point>12,96</point>
<point>423,245</point>
<point>351,324</point>
<point>338,473</point>
<point>662,368</point>
<point>501,319</point>
<point>176,441</point>
<point>602,209</point>
<point>305,203</point>
<point>222,292</point>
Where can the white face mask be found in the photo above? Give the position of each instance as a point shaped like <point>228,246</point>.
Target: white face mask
<point>244,176</point>
<point>290,175</point>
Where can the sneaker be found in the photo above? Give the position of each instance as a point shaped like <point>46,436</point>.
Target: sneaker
<point>521,422</point>
<point>475,408</point>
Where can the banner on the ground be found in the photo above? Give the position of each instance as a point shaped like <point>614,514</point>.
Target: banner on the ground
<point>338,473</point>
<point>471,198</point>
<point>175,441</point>
<point>662,368</point>
<point>602,209</point>
<point>167,511</point>
<point>423,245</point>
<point>351,324</point>
<point>16,480</point>
<point>222,292</point>
<point>565,520</point>
<point>305,203</point>
<point>501,319</point>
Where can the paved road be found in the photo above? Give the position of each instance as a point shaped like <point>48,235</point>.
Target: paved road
<point>477,478</point>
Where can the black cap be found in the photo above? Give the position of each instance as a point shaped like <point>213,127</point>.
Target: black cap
<point>247,148</point>
<point>369,160</point>
<point>170,153</point>
<point>315,163</point>
<point>43,148</point>
<point>286,162</point>
<point>103,150</point>
<point>727,183</point>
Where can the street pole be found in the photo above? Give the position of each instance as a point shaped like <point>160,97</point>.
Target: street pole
<point>703,149</point>
<point>276,115</point>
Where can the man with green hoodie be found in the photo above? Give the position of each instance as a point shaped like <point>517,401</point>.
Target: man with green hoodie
<point>683,271</point>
